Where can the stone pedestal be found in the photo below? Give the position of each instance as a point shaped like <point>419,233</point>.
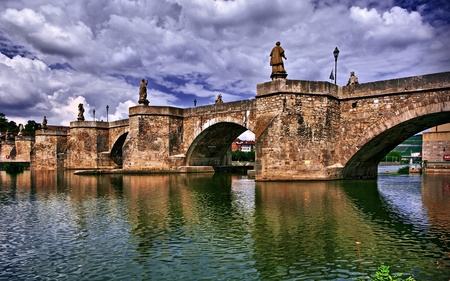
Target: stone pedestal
<point>278,75</point>
<point>144,102</point>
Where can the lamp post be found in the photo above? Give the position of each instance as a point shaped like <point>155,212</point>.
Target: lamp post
<point>336,54</point>
<point>107,109</point>
<point>93,111</point>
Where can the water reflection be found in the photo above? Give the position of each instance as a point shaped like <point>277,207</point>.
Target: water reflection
<point>219,226</point>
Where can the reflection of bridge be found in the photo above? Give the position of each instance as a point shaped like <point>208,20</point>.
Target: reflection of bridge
<point>304,130</point>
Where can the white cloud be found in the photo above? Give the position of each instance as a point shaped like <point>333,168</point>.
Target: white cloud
<point>397,26</point>
<point>69,40</point>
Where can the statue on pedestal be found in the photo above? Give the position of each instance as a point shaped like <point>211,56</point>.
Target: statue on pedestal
<point>276,61</point>
<point>80,112</point>
<point>219,99</point>
<point>44,123</point>
<point>20,129</point>
<point>353,80</point>
<point>143,92</point>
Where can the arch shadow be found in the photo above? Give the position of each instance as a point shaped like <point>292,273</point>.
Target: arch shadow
<point>212,147</point>
<point>364,163</point>
<point>116,150</point>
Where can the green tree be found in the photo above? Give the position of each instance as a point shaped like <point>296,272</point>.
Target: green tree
<point>6,125</point>
<point>243,156</point>
<point>393,156</point>
<point>31,126</point>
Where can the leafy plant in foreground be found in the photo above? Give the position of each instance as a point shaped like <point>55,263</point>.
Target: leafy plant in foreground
<point>383,274</point>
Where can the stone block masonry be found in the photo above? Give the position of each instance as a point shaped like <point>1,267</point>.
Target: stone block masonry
<point>155,134</point>
<point>304,130</point>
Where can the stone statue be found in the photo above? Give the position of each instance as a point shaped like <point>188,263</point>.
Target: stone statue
<point>219,99</point>
<point>353,80</point>
<point>80,112</point>
<point>20,129</point>
<point>276,61</point>
<point>44,123</point>
<point>143,89</point>
<point>143,92</point>
<point>7,135</point>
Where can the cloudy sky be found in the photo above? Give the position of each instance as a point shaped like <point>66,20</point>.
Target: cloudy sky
<point>56,54</point>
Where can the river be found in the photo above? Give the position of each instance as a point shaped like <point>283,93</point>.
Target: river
<point>60,226</point>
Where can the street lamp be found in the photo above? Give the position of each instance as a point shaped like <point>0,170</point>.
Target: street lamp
<point>107,109</point>
<point>93,111</point>
<point>336,54</point>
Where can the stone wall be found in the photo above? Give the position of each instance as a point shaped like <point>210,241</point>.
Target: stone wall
<point>7,150</point>
<point>23,146</point>
<point>435,145</point>
<point>294,131</point>
<point>48,150</point>
<point>86,140</point>
<point>316,130</point>
<point>155,134</point>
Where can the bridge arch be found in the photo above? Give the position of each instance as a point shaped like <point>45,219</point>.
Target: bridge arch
<point>386,135</point>
<point>116,149</point>
<point>211,146</point>
<point>244,122</point>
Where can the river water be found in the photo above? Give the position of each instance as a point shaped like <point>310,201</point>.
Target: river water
<point>60,226</point>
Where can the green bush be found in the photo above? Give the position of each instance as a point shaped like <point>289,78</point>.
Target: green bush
<point>242,156</point>
<point>403,170</point>
<point>14,168</point>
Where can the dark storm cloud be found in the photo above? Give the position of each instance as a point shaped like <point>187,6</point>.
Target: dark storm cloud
<point>96,52</point>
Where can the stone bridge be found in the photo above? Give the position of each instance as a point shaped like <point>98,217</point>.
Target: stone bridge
<point>304,130</point>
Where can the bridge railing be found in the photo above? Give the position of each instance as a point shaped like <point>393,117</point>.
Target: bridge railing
<point>241,105</point>
<point>396,86</point>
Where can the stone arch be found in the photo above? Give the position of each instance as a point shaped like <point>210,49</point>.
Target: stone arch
<point>116,150</point>
<point>244,122</point>
<point>212,145</point>
<point>385,136</point>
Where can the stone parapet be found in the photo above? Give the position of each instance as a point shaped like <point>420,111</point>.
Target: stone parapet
<point>89,124</point>
<point>236,106</point>
<point>119,123</point>
<point>297,87</point>
<point>155,110</point>
<point>51,132</point>
<point>397,86</point>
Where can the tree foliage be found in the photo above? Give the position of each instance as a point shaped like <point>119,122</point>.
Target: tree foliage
<point>243,156</point>
<point>393,156</point>
<point>6,125</point>
<point>12,126</point>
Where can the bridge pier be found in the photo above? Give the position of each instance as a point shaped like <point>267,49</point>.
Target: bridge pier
<point>86,142</point>
<point>295,131</point>
<point>47,152</point>
<point>154,139</point>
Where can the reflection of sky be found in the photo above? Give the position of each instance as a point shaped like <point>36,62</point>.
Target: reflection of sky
<point>404,198</point>
<point>244,196</point>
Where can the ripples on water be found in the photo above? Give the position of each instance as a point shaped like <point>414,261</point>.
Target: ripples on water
<point>220,227</point>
